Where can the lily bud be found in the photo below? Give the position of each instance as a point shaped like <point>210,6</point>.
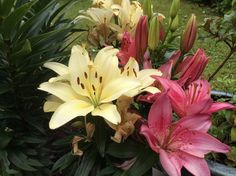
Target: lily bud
<point>153,35</point>
<point>174,8</point>
<point>189,35</point>
<point>141,38</point>
<point>147,8</point>
<point>160,18</point>
<point>175,24</point>
<point>192,67</point>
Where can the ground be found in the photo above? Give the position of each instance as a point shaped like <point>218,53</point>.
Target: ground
<point>225,80</point>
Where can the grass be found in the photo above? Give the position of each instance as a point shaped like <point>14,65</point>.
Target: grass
<point>225,80</point>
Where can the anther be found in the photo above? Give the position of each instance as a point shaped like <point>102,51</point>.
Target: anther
<point>85,75</point>
<point>78,81</point>
<point>100,79</point>
<point>82,85</point>
<point>134,72</point>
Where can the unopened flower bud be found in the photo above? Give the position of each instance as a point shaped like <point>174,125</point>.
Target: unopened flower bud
<point>174,24</point>
<point>147,8</point>
<point>141,38</point>
<point>174,8</point>
<point>189,35</point>
<point>153,35</point>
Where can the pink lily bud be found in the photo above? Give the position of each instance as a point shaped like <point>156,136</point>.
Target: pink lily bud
<point>160,18</point>
<point>189,35</point>
<point>192,67</point>
<point>141,38</point>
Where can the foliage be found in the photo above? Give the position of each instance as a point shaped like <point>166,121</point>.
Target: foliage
<point>31,32</point>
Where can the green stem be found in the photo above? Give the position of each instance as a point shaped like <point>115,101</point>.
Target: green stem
<point>222,64</point>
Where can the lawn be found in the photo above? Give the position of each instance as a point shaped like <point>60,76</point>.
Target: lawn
<point>225,80</point>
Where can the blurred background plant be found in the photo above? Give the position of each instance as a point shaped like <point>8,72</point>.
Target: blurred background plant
<point>31,33</point>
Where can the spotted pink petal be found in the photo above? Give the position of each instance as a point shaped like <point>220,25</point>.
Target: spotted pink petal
<point>200,143</point>
<point>175,93</point>
<point>218,106</point>
<point>196,122</point>
<point>170,163</point>
<point>197,166</point>
<point>149,135</point>
<point>160,114</point>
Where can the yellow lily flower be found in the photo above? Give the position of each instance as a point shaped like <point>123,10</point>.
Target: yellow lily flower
<point>93,87</point>
<point>102,3</point>
<point>131,69</point>
<point>128,14</point>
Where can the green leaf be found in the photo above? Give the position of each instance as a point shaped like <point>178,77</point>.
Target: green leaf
<point>11,22</point>
<point>34,162</point>
<point>5,7</point>
<point>88,161</point>
<point>22,52</point>
<point>20,161</point>
<point>233,134</point>
<point>8,115</point>
<point>6,163</point>
<point>64,161</point>
<point>128,149</point>
<point>107,171</point>
<point>5,139</point>
<point>141,166</point>
<point>100,136</point>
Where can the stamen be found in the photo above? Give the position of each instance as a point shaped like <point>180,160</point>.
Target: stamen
<point>93,88</point>
<point>85,75</point>
<point>96,75</point>
<point>100,79</point>
<point>78,81</point>
<point>82,85</point>
<point>134,72</point>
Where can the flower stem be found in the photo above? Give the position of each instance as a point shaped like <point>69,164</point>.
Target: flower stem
<point>221,65</point>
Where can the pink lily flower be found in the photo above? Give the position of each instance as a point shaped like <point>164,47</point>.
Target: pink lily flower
<point>180,144</point>
<point>192,67</point>
<point>127,50</point>
<point>196,99</point>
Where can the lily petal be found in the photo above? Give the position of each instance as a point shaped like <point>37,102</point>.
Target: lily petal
<point>117,87</point>
<point>68,111</point>
<point>170,164</point>
<point>160,115</point>
<point>61,90</point>
<point>52,103</point>
<point>108,112</point>
<point>149,135</point>
<point>218,106</point>
<point>197,166</point>
<point>59,68</point>
<point>175,93</point>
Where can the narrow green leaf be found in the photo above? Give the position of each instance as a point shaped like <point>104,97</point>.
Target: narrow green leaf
<point>141,166</point>
<point>100,136</point>
<point>11,22</point>
<point>22,52</point>
<point>88,161</point>
<point>8,115</point>
<point>34,162</point>
<point>128,149</point>
<point>107,171</point>
<point>6,163</point>
<point>5,7</point>
<point>20,161</point>
<point>5,139</point>
<point>65,160</point>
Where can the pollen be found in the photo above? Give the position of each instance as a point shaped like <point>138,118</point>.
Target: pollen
<point>78,81</point>
<point>100,79</point>
<point>85,75</point>
<point>82,85</point>
<point>134,72</point>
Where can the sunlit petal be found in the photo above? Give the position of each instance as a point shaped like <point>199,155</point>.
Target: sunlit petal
<point>108,112</point>
<point>68,111</point>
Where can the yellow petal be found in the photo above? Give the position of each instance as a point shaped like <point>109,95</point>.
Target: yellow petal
<point>145,76</point>
<point>108,112</point>
<point>151,90</point>
<point>59,68</point>
<point>107,62</point>
<point>131,69</point>
<point>68,111</point>
<point>117,87</point>
<point>65,77</point>
<point>78,65</point>
<point>61,90</point>
<point>52,103</point>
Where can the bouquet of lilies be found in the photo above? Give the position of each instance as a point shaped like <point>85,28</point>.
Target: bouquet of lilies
<point>123,94</point>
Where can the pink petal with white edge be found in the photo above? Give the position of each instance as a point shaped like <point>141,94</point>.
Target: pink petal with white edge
<point>197,166</point>
<point>218,106</point>
<point>170,163</point>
